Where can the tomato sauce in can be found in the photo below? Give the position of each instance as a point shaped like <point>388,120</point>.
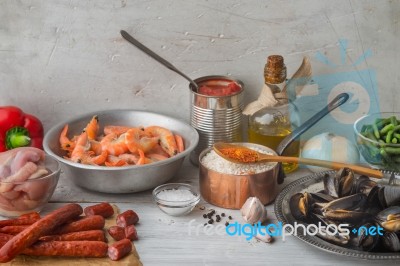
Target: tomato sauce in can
<point>216,111</point>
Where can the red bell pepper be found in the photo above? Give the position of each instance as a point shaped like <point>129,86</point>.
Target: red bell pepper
<point>18,129</point>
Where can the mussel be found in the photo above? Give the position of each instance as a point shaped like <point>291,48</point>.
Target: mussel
<point>389,219</point>
<point>364,240</point>
<point>345,177</point>
<point>391,241</point>
<point>391,195</point>
<point>345,216</point>
<point>341,184</point>
<point>326,232</point>
<point>331,185</point>
<point>363,184</point>
<point>301,205</point>
<point>352,202</point>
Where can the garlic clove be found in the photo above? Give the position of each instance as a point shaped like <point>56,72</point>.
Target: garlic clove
<point>253,211</point>
<point>264,238</point>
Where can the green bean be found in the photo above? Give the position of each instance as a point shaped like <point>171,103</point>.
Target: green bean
<point>386,129</point>
<point>391,150</point>
<point>385,155</point>
<point>376,131</point>
<point>381,122</point>
<point>389,136</point>
<point>396,128</point>
<point>394,140</point>
<point>393,120</point>
<point>370,136</point>
<point>396,135</point>
<point>366,128</point>
<point>382,143</point>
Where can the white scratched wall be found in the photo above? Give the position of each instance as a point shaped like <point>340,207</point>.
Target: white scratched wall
<point>61,58</point>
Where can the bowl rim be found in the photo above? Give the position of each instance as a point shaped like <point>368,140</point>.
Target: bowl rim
<point>358,133</point>
<point>58,127</point>
<point>52,174</point>
<point>186,202</point>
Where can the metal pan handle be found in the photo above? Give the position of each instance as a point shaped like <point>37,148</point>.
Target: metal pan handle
<point>336,102</point>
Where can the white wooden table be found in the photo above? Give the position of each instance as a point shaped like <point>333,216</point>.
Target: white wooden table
<point>167,240</point>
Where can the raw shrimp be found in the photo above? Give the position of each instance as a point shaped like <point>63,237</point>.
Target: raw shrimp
<point>96,147</point>
<point>136,139</point>
<point>82,154</point>
<point>143,159</point>
<point>167,139</point>
<point>81,147</point>
<point>129,158</point>
<point>179,142</point>
<point>158,150</point>
<point>92,128</point>
<point>113,144</point>
<point>115,161</point>
<point>66,143</point>
<point>156,157</point>
<point>119,130</point>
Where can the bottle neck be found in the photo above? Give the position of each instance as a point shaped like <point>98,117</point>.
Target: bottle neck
<point>275,75</point>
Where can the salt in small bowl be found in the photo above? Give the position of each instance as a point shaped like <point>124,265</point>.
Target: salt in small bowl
<point>175,206</point>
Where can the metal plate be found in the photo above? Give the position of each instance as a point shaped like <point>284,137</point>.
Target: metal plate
<point>313,183</point>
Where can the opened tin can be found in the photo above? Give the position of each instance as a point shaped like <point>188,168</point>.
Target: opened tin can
<point>216,112</point>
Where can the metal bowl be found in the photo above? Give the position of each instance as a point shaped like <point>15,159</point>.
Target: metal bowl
<point>125,179</point>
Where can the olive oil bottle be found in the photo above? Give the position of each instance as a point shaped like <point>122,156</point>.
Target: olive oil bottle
<point>270,125</point>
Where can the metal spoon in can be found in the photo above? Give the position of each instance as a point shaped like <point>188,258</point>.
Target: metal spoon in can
<point>156,57</point>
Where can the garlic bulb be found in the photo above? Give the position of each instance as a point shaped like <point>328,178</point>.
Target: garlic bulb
<point>253,211</point>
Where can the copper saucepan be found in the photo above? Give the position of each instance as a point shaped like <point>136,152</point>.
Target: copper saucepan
<point>231,191</point>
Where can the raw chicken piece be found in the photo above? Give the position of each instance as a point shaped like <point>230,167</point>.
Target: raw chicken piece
<point>22,158</point>
<point>13,160</point>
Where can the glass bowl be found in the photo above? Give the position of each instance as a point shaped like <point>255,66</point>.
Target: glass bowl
<point>172,203</point>
<point>379,154</point>
<point>17,198</point>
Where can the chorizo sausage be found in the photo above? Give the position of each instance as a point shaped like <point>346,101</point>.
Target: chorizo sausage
<point>127,218</point>
<point>95,249</point>
<point>131,233</point>
<point>13,229</point>
<point>104,209</point>
<point>117,232</point>
<point>119,249</point>
<point>40,228</point>
<point>4,238</point>
<point>94,222</point>
<point>91,235</point>
<point>24,219</point>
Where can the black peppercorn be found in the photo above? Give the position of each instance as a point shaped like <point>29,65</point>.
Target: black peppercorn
<point>204,215</point>
<point>227,223</point>
<point>230,217</point>
<point>223,214</point>
<point>210,221</point>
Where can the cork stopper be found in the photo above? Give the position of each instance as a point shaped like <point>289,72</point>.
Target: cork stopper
<point>275,70</point>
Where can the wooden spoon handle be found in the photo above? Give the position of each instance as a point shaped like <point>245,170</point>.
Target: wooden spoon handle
<point>327,164</point>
